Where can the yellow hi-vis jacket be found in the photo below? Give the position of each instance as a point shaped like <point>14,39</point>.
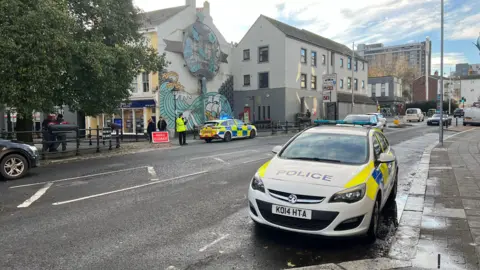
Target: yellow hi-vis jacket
<point>181,125</point>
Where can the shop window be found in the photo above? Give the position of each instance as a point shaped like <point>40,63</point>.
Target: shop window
<point>127,121</point>
<point>139,121</point>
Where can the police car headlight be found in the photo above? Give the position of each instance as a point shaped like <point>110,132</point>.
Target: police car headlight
<point>350,195</point>
<point>257,183</point>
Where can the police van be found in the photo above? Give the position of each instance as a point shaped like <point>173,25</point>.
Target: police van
<point>330,180</point>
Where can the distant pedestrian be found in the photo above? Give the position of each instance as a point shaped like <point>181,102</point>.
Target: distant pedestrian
<point>308,114</point>
<point>162,124</point>
<point>150,129</point>
<point>61,136</point>
<point>181,129</point>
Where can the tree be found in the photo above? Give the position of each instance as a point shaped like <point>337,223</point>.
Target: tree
<point>79,53</point>
<point>400,69</point>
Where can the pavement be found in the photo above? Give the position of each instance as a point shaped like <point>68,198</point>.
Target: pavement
<point>176,208</point>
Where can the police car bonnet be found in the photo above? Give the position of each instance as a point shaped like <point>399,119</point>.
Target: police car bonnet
<point>328,174</point>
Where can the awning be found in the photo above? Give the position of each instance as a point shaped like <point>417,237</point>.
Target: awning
<point>147,103</point>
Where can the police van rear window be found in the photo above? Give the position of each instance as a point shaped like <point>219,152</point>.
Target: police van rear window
<point>411,111</point>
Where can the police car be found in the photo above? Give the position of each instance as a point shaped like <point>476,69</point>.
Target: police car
<point>330,180</point>
<point>226,129</point>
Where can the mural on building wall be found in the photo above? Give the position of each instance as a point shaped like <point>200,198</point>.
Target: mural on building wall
<point>195,108</point>
<point>203,56</point>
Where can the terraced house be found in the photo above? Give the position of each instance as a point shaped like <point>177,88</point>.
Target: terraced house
<point>278,74</point>
<point>197,82</point>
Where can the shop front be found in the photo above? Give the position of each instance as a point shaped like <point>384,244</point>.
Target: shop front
<point>132,117</point>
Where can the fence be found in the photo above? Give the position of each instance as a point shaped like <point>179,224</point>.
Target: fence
<point>73,142</point>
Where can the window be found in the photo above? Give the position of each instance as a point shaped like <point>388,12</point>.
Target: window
<point>356,65</point>
<point>314,82</point>
<point>341,83</point>
<point>383,142</point>
<point>373,90</point>
<point>263,54</point>
<point>349,83</point>
<point>363,65</point>
<point>377,150</point>
<point>355,83</point>
<point>303,81</point>
<point>145,82</point>
<point>382,89</point>
<point>264,116</point>
<point>239,122</point>
<point>323,59</point>
<point>246,55</point>
<point>258,113</point>
<point>314,59</point>
<point>246,80</point>
<point>134,85</point>
<point>341,62</point>
<point>363,84</point>
<point>268,112</point>
<point>263,80</point>
<point>349,63</point>
<point>231,122</point>
<point>225,123</point>
<point>332,56</point>
<point>334,148</point>
<point>303,55</point>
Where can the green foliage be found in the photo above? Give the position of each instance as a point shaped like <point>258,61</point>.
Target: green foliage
<point>79,53</point>
<point>426,105</point>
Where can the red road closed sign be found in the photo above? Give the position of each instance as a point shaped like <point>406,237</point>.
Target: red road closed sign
<point>160,137</point>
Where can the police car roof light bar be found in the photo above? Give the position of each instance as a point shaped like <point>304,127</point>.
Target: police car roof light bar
<point>343,122</point>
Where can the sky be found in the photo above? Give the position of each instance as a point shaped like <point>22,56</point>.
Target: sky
<point>390,22</point>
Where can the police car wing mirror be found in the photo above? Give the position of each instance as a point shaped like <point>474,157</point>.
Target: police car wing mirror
<point>277,149</point>
<point>386,158</point>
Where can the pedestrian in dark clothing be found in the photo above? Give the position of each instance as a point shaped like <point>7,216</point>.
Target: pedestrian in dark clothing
<point>162,124</point>
<point>61,136</point>
<point>48,137</point>
<point>150,129</point>
<point>308,114</point>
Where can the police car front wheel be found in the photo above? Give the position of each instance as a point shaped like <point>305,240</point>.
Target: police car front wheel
<point>228,137</point>
<point>373,228</point>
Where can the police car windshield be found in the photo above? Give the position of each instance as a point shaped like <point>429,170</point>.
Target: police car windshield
<point>324,147</point>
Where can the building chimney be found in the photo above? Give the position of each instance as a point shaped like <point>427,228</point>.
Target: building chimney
<point>191,3</point>
<point>206,8</point>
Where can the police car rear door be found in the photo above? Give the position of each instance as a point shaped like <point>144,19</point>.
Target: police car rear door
<point>389,166</point>
<point>380,168</point>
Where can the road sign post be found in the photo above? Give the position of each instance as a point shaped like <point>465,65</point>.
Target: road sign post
<point>329,87</point>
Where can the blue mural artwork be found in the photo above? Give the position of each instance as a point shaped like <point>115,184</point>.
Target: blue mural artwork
<point>208,105</point>
<point>203,56</point>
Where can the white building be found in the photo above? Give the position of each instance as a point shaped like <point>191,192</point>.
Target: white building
<point>470,89</point>
<point>198,81</point>
<point>278,72</point>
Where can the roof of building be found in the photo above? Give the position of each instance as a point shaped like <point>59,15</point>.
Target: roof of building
<point>312,38</point>
<point>157,17</point>
<point>433,77</point>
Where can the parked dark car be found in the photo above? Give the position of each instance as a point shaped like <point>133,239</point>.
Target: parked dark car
<point>16,159</point>
<point>435,120</point>
<point>458,113</point>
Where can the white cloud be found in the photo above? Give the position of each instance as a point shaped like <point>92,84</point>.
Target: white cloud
<point>345,21</point>
<point>449,61</point>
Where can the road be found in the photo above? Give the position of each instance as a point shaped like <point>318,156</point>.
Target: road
<point>184,208</point>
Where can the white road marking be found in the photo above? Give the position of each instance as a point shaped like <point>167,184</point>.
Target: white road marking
<point>219,159</point>
<point>36,196</point>
<point>129,188</point>
<point>79,177</point>
<point>152,172</point>
<point>213,243</point>
<point>224,154</point>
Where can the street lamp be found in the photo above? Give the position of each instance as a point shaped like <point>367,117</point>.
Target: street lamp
<point>440,137</point>
<point>174,91</point>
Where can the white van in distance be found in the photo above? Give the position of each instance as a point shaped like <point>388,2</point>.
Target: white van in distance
<point>414,114</point>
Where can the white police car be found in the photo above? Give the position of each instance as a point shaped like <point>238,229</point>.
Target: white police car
<point>327,180</point>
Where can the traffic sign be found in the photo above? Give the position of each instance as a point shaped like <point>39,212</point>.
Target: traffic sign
<point>160,137</point>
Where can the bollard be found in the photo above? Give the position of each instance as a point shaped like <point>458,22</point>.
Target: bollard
<point>90,135</point>
<point>98,139</point>
<point>118,140</point>
<point>77,153</point>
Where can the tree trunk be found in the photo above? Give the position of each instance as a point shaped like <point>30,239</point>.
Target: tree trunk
<point>24,127</point>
